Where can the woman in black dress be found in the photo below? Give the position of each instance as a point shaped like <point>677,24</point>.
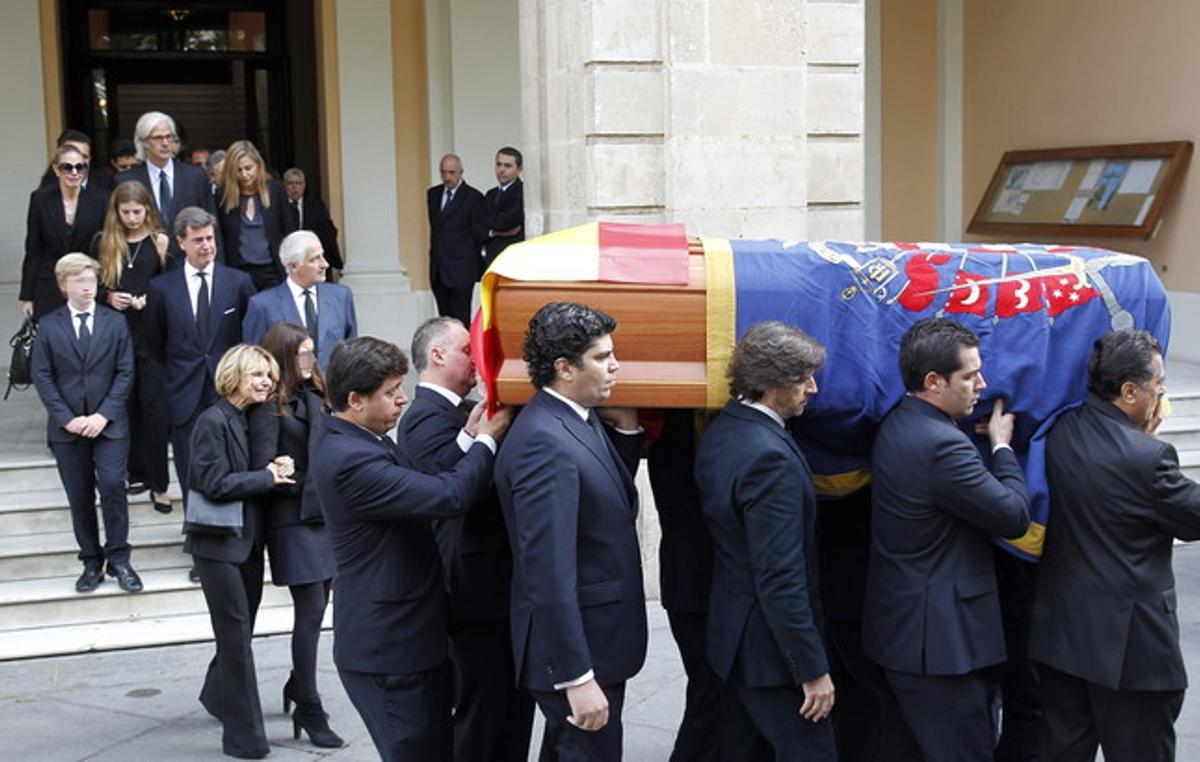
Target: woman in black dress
<point>297,542</point>
<point>62,219</point>
<point>252,208</point>
<point>230,564</point>
<point>132,249</point>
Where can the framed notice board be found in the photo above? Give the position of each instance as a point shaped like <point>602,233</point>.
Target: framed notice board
<point>1116,190</point>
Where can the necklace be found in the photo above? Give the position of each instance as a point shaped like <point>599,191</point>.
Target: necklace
<point>136,250</point>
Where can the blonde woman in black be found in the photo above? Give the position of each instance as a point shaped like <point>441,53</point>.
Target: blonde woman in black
<point>252,224</point>
<point>132,249</point>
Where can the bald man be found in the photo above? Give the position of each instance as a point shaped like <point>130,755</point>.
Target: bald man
<point>454,251</point>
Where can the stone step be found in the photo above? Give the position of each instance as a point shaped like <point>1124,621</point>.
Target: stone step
<point>41,511</point>
<point>54,602</point>
<point>157,544</point>
<point>1181,431</point>
<point>1189,463</point>
<point>1184,405</point>
<point>30,474</point>
<point>133,633</point>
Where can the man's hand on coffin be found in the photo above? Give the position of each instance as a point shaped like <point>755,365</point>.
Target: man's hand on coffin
<point>621,418</point>
<point>999,427</point>
<point>497,424</point>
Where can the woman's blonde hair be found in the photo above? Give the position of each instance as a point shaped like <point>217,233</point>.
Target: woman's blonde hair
<point>240,361</point>
<point>231,189</point>
<point>113,249</point>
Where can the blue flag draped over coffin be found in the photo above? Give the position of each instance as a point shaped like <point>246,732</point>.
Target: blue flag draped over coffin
<point>1036,309</point>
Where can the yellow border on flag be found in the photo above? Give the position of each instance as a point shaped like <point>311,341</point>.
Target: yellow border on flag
<point>720,318</point>
<point>1032,541</point>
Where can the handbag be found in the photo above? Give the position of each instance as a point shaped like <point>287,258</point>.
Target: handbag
<point>202,515</point>
<point>20,368</point>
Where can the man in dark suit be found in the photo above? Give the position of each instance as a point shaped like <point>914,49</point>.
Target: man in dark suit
<point>310,213</point>
<point>174,185</point>
<point>193,315</point>
<point>304,298</point>
<point>1105,631</point>
<point>932,614</point>
<point>83,370</point>
<point>685,560</point>
<point>578,607</point>
<point>389,614</point>
<point>454,261</point>
<point>493,718</point>
<point>764,621</point>
<point>501,219</point>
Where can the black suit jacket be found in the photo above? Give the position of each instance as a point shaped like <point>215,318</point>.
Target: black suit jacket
<point>171,334</point>
<point>501,210</point>
<point>570,506</point>
<point>931,601</point>
<point>48,238</point>
<point>389,614</point>
<point>72,383</point>
<point>294,435</point>
<point>274,220</point>
<point>1104,609</point>
<point>220,470</point>
<point>474,548</point>
<point>454,257</point>
<point>685,553</point>
<point>192,188</point>
<point>757,495</point>
<point>318,220</point>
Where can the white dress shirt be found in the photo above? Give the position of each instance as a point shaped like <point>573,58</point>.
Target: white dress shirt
<point>169,171</point>
<point>193,283</point>
<point>298,297</point>
<point>760,407</point>
<point>91,322</point>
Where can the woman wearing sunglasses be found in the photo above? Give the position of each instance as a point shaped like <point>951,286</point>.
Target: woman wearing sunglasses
<point>62,219</point>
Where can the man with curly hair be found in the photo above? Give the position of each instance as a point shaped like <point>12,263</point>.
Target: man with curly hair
<point>578,612</point>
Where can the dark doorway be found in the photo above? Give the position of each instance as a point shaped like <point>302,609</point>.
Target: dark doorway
<point>222,70</point>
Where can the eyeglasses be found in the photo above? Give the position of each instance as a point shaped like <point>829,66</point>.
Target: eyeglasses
<point>166,138</point>
<point>67,169</point>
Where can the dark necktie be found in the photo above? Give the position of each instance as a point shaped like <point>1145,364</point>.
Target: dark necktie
<point>85,336</point>
<point>202,310</point>
<point>298,215</point>
<point>310,316</point>
<point>447,197</point>
<point>164,196</point>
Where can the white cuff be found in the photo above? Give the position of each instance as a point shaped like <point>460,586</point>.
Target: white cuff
<point>464,440</point>
<point>1001,446</point>
<point>576,682</point>
<point>487,441</point>
<point>629,433</point>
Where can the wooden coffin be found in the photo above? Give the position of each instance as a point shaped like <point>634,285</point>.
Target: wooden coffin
<point>659,341</point>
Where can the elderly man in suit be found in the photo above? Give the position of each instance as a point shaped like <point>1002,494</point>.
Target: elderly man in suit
<point>566,488</point>
<point>932,613</point>
<point>1105,632</point>
<point>305,298</point>
<point>174,185</point>
<point>390,612</point>
<point>756,491</point>
<point>493,718</point>
<point>453,208</point>
<point>193,314</point>
<point>307,212</point>
<point>83,370</point>
<point>501,220</point>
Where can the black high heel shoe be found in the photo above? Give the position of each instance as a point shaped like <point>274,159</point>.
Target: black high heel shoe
<point>289,694</point>
<point>310,716</point>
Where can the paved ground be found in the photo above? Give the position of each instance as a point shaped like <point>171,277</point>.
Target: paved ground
<point>141,704</point>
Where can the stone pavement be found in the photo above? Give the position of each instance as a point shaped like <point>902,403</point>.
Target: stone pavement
<point>141,704</point>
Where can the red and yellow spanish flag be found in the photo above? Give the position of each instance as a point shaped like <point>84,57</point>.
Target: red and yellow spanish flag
<point>598,251</point>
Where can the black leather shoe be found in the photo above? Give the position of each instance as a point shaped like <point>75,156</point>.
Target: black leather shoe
<point>90,579</point>
<point>162,506</point>
<point>194,575</point>
<point>127,579</point>
<point>135,488</point>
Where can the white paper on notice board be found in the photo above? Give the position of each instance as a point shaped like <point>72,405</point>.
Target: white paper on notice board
<point>1048,175</point>
<point>1094,170</point>
<point>1076,207</point>
<point>1145,209</point>
<point>1140,176</point>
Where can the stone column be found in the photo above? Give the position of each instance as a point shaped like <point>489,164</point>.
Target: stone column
<point>739,118</point>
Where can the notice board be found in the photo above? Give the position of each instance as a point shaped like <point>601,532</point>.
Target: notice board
<point>1113,190</point>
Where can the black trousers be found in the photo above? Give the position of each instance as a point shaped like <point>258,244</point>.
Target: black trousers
<point>407,715</point>
<point>570,744</point>
<point>85,465</point>
<point>230,693</point>
<point>454,302</point>
<point>774,714</point>
<point>1022,721</point>
<point>939,718</point>
<point>493,718</point>
<point>699,735</point>
<point>148,425</point>
<point>1129,726</point>
<point>262,276</point>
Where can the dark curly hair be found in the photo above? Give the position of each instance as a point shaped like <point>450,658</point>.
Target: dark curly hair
<point>361,365</point>
<point>771,355</point>
<point>933,344</point>
<point>562,329</point>
<point>1118,357</point>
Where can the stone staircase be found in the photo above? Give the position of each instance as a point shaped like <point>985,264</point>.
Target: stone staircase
<point>40,612</point>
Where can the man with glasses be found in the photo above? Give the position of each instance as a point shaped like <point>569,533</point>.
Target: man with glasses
<point>173,184</point>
